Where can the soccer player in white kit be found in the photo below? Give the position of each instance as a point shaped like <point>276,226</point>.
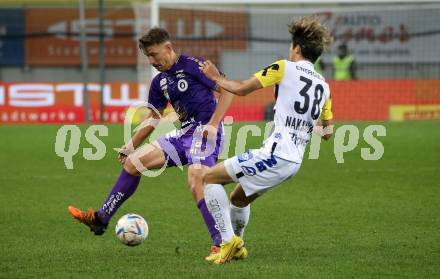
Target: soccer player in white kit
<point>302,99</point>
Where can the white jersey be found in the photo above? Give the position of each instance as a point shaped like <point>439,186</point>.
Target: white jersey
<point>302,97</point>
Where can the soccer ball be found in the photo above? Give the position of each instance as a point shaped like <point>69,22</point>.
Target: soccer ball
<point>131,229</point>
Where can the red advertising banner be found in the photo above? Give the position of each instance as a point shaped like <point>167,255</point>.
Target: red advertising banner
<point>63,102</point>
<point>362,100</point>
<point>54,36</point>
<point>374,100</point>
<point>352,101</point>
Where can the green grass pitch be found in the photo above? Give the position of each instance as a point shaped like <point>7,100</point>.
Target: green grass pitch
<point>360,219</point>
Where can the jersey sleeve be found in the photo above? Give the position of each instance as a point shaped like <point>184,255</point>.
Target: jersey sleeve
<point>156,98</point>
<point>327,113</point>
<point>272,74</point>
<point>206,81</point>
<point>194,63</point>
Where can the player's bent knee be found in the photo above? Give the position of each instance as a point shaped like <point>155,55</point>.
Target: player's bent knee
<point>195,177</point>
<point>208,177</point>
<point>238,201</point>
<point>196,190</point>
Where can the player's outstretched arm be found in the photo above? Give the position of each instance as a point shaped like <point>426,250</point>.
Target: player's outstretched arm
<point>224,101</point>
<point>146,128</point>
<point>237,87</point>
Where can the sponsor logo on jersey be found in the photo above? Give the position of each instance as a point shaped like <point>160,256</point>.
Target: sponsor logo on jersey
<point>163,81</point>
<point>309,72</point>
<point>182,85</point>
<point>170,80</point>
<point>249,171</point>
<point>244,157</point>
<point>260,166</point>
<point>165,93</point>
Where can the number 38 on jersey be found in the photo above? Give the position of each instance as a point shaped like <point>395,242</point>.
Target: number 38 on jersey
<point>299,85</point>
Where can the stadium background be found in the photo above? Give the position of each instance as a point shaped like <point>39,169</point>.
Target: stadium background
<point>41,73</point>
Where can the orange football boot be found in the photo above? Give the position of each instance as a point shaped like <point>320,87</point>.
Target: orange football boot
<point>89,219</point>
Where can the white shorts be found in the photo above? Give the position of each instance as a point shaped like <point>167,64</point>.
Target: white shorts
<point>257,171</point>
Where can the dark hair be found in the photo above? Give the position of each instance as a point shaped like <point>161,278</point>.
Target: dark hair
<point>311,36</point>
<point>154,36</point>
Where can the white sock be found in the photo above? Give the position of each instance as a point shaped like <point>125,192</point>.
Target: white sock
<point>240,218</point>
<point>218,204</point>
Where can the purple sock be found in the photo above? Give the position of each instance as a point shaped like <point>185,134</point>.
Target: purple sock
<point>124,187</point>
<point>210,223</point>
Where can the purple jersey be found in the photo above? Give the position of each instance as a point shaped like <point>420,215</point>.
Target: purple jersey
<point>188,90</point>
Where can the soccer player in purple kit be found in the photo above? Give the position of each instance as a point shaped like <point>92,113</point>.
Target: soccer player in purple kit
<point>191,94</point>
